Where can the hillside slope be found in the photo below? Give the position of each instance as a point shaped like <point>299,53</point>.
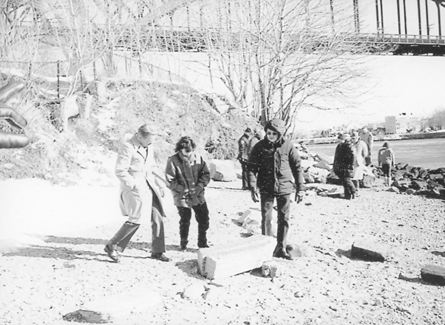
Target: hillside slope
<point>92,137</point>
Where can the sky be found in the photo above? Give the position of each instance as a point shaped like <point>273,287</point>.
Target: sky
<point>403,84</point>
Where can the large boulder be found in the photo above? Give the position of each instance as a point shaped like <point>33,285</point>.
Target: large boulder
<point>418,185</point>
<point>323,165</point>
<point>318,174</point>
<point>331,178</point>
<point>324,158</point>
<point>223,170</point>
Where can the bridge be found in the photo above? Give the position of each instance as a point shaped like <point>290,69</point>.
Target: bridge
<point>414,14</point>
<point>399,44</point>
<point>183,40</point>
<point>177,25</point>
<point>418,25</point>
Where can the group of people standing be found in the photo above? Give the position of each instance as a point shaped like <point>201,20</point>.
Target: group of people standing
<point>271,171</point>
<point>353,154</point>
<point>270,165</point>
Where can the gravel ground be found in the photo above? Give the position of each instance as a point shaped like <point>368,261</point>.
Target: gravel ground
<point>52,262</point>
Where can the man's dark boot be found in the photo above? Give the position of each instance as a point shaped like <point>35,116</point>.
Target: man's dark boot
<point>280,252</point>
<point>120,240</point>
<point>280,249</point>
<point>202,238</point>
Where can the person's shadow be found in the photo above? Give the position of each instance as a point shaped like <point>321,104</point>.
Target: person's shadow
<point>69,253</point>
<point>64,253</point>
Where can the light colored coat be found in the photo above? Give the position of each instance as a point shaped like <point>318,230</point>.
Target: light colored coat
<point>361,151</point>
<point>135,169</point>
<point>368,139</point>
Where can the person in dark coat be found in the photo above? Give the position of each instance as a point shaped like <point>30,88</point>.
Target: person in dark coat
<point>274,164</point>
<point>386,161</point>
<point>187,175</point>
<point>243,156</point>
<point>258,134</point>
<point>343,167</point>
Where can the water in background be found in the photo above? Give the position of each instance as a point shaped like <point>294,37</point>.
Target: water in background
<point>426,153</point>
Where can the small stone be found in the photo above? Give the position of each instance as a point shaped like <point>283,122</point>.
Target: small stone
<point>367,251</point>
<point>243,217</point>
<point>86,316</point>
<point>194,291</point>
<point>299,294</point>
<point>294,250</point>
<point>376,303</point>
<point>333,307</point>
<point>411,191</point>
<point>69,265</point>
<point>433,274</point>
<point>269,269</point>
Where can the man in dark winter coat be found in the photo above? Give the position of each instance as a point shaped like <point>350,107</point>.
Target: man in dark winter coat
<point>344,165</point>
<point>243,143</point>
<point>273,165</point>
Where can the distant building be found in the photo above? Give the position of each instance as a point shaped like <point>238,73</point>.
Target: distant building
<point>402,123</point>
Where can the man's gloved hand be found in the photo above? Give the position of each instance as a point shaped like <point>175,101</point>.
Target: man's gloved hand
<point>255,195</point>
<point>299,196</point>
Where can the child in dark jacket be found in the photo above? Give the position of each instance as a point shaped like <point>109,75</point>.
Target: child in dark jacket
<point>386,161</point>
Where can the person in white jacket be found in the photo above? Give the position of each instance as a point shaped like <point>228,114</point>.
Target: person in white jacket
<point>361,152</point>
<point>141,194</point>
<point>368,139</point>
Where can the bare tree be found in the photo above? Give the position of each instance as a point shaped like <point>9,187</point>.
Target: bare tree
<point>17,40</point>
<point>279,56</point>
<point>437,119</point>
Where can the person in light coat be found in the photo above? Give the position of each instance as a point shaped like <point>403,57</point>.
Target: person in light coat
<point>141,193</point>
<point>368,139</point>
<point>360,153</point>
